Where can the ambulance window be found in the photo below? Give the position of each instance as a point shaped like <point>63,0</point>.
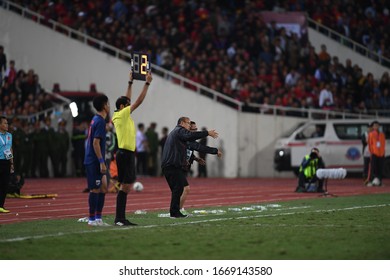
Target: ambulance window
<point>386,130</point>
<point>311,131</point>
<point>349,131</point>
<point>291,130</point>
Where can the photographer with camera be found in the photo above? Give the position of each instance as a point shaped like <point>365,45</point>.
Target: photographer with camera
<point>307,173</point>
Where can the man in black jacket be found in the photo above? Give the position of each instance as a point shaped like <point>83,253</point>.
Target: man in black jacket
<point>174,163</point>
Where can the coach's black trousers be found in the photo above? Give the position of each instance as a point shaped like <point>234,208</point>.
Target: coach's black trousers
<point>176,179</point>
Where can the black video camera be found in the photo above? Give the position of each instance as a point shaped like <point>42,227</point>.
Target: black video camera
<point>313,155</point>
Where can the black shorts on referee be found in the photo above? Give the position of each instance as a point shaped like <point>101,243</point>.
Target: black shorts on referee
<point>125,161</point>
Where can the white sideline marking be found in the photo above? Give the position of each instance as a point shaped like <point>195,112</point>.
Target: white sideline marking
<point>186,223</point>
<point>307,226</point>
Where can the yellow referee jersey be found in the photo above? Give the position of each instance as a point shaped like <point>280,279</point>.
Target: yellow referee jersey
<point>125,129</point>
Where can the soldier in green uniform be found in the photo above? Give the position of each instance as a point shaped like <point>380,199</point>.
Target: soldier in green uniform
<point>152,137</point>
<point>35,157</point>
<point>53,146</point>
<point>78,148</point>
<point>41,150</point>
<point>17,143</point>
<point>27,149</point>
<point>63,146</point>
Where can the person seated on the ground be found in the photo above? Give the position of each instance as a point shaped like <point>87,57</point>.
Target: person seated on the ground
<point>307,178</point>
<point>15,184</point>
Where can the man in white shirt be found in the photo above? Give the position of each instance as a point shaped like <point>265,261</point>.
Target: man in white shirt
<point>326,97</point>
<point>291,78</point>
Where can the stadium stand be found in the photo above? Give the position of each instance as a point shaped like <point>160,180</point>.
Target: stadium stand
<point>364,22</point>
<point>202,39</point>
<point>215,39</point>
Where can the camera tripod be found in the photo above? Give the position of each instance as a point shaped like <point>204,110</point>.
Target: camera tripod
<point>326,193</point>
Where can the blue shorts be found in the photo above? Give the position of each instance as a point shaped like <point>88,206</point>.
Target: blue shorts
<point>94,176</point>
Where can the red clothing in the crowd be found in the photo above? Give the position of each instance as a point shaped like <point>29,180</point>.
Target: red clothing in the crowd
<point>11,76</point>
<point>244,94</point>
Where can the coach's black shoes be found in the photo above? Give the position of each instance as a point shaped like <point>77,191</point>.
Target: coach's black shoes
<point>124,223</point>
<point>179,215</point>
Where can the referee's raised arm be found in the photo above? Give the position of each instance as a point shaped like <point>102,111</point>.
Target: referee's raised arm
<point>129,86</point>
<point>142,95</point>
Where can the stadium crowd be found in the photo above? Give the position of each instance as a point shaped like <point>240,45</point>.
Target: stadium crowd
<point>213,43</point>
<point>365,22</point>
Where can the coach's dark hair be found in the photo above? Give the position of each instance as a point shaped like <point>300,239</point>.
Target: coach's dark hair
<point>99,101</point>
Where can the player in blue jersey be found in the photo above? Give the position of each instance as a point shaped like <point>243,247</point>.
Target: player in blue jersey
<point>94,161</point>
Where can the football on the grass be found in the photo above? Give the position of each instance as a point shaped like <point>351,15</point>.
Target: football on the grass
<point>138,187</point>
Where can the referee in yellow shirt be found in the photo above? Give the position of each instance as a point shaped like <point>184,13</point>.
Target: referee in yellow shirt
<point>125,156</point>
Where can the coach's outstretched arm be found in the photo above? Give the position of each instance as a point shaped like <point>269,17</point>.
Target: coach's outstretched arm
<point>213,133</point>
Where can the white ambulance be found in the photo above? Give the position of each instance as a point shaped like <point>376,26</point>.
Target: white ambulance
<point>339,143</point>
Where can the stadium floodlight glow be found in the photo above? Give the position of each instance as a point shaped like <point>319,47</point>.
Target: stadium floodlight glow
<point>74,109</point>
<point>281,153</point>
